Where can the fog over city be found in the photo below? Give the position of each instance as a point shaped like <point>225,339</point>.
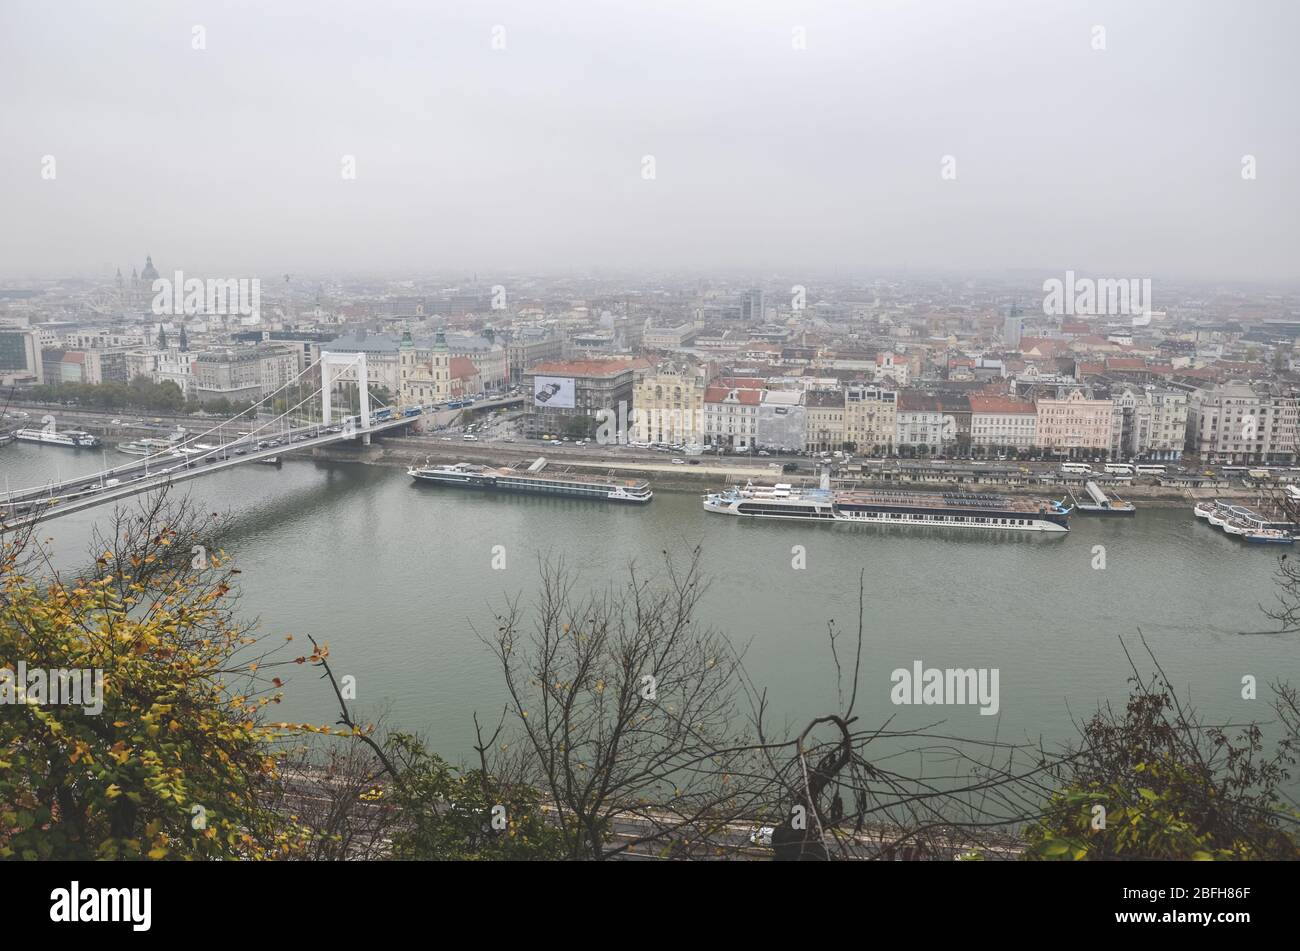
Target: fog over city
<point>756,136</point>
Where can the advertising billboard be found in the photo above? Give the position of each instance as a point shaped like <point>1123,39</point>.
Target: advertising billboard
<point>554,391</point>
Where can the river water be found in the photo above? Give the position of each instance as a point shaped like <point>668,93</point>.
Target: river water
<point>395,576</point>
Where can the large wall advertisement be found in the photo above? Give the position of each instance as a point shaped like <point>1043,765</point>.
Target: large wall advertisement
<point>554,391</point>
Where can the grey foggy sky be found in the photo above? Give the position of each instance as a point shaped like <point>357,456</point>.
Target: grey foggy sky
<point>227,160</point>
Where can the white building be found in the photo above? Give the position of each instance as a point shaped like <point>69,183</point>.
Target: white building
<point>999,422</point>
<point>1239,423</point>
<point>1149,423</point>
<point>731,414</point>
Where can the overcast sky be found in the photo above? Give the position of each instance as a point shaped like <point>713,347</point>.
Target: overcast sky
<point>227,160</point>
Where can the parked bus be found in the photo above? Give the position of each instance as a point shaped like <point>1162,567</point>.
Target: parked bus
<point>1122,468</point>
<point>1081,468</point>
<point>1150,469</point>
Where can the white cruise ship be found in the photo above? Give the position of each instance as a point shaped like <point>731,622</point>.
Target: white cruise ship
<point>72,438</point>
<point>886,507</point>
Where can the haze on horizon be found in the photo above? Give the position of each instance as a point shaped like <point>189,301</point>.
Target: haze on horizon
<point>228,159</point>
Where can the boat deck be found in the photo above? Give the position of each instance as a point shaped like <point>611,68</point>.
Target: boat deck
<point>952,501</point>
<point>546,475</point>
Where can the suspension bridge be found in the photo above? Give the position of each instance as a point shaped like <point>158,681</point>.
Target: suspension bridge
<point>211,451</point>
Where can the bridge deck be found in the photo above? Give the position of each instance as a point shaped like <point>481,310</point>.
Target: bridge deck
<point>25,506</point>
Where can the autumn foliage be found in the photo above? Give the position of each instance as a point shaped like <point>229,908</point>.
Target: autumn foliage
<point>177,762</point>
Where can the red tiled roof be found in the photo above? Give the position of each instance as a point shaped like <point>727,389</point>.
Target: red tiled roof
<point>586,367</point>
<point>1000,404</point>
<point>745,395</point>
<point>462,368</point>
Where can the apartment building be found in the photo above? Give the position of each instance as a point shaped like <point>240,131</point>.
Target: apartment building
<point>20,356</point>
<point>1074,426</point>
<point>870,418</point>
<point>1000,423</point>
<point>488,356</point>
<point>229,374</point>
<point>824,420</point>
<point>1239,423</point>
<point>1148,423</point>
<point>668,338</point>
<point>932,423</point>
<point>669,402</point>
<point>238,374</point>
<point>731,414</point>
<point>84,366</point>
<point>567,396</point>
<point>100,340</point>
<point>531,345</point>
<point>277,365</point>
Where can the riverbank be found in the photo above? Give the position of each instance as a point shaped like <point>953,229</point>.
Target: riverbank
<point>404,451</point>
<point>697,475</point>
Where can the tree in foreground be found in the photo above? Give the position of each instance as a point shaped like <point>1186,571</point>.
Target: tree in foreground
<point>1156,782</point>
<point>137,726</point>
<point>624,711</point>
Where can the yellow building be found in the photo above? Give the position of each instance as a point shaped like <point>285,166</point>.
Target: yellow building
<point>668,400</point>
<point>870,418</point>
<point>824,421</point>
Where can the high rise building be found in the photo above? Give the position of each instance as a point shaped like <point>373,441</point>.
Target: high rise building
<point>1012,326</point>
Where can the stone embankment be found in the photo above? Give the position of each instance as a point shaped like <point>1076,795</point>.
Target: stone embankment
<point>663,475</point>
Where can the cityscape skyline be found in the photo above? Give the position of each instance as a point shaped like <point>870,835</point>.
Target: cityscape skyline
<point>532,141</point>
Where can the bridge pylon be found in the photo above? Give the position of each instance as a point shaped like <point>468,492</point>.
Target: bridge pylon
<point>328,378</point>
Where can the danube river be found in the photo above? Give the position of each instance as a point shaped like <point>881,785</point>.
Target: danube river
<point>396,577</point>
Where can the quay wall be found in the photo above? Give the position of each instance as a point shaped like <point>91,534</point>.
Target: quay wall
<point>400,452</point>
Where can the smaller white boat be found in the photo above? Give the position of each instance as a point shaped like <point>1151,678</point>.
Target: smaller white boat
<point>1203,509</point>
